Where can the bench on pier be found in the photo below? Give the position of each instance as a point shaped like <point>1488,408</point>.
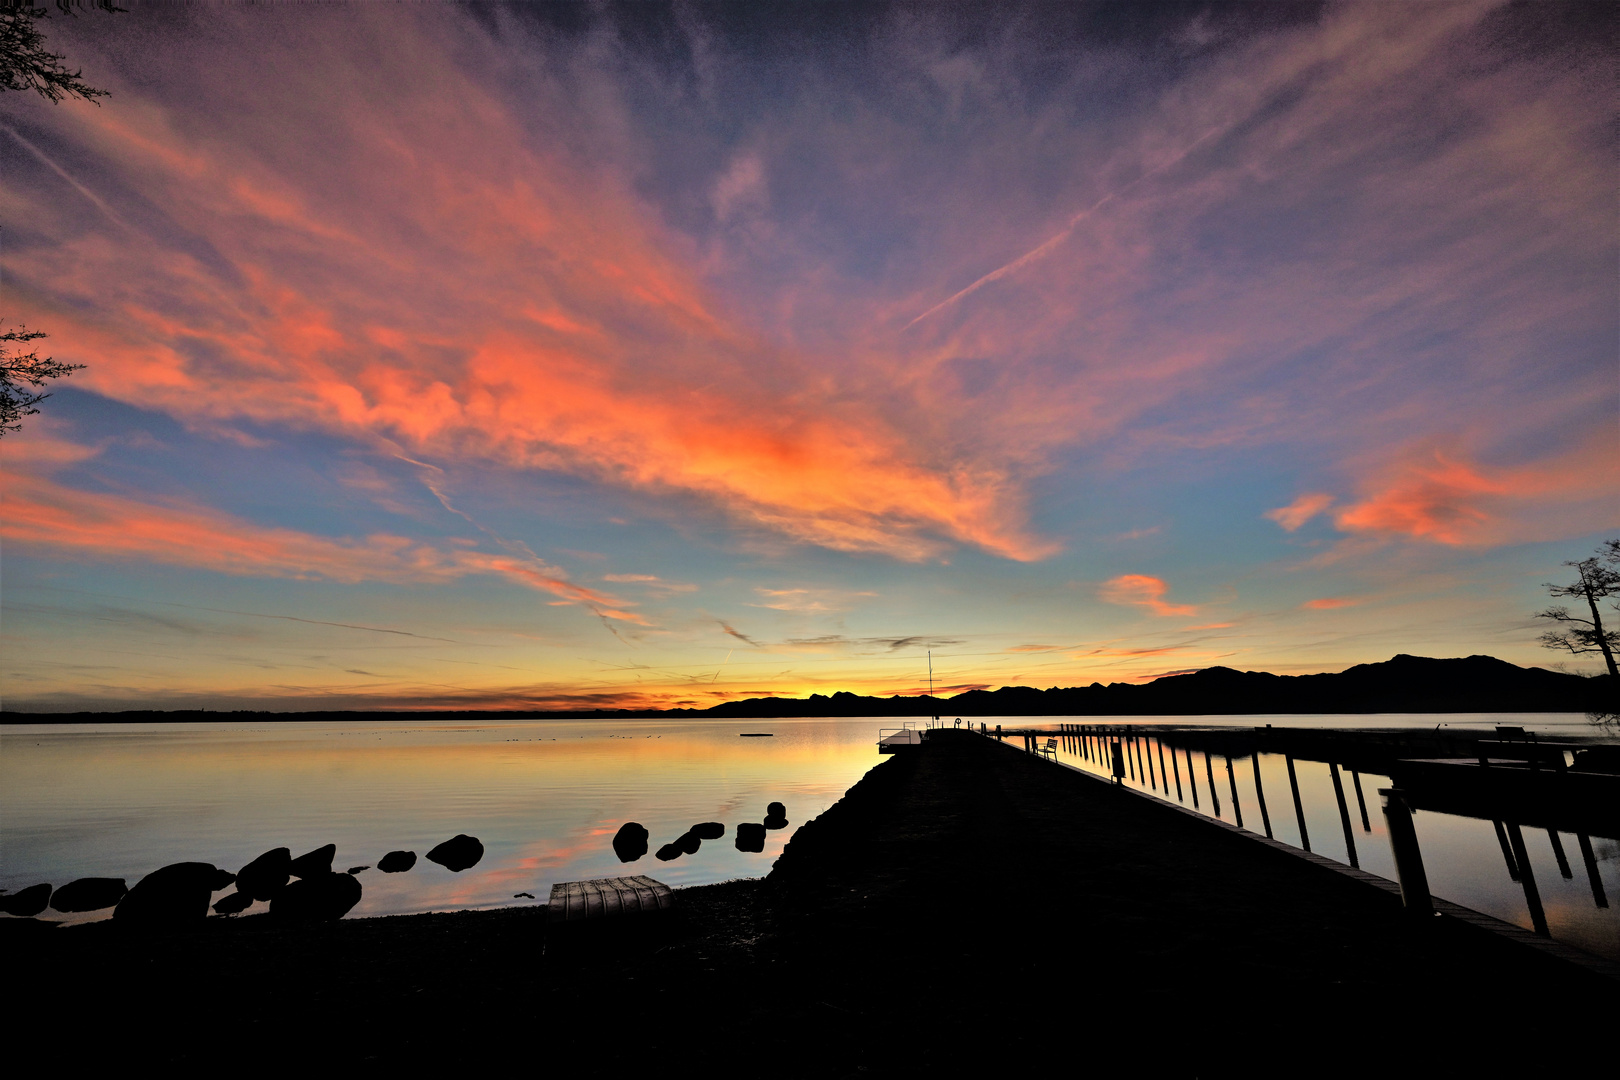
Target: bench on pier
<point>1049,751</point>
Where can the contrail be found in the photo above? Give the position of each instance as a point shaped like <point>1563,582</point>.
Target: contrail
<point>1063,234</point>
<point>59,171</point>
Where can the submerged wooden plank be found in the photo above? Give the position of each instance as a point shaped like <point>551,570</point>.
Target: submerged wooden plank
<point>602,898</point>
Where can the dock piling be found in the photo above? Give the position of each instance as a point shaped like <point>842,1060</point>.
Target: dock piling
<point>1527,879</point>
<point>1260,793</point>
<point>1344,816</point>
<point>1299,809</point>
<point>1558,853</point>
<point>1403,841</point>
<point>1598,896</point>
<point>1231,780</point>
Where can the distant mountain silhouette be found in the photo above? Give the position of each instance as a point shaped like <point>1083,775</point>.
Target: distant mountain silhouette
<point>1417,684</point>
<point>1401,684</point>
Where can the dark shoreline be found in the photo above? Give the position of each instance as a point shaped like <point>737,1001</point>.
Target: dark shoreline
<point>959,880</point>
<point>1403,684</point>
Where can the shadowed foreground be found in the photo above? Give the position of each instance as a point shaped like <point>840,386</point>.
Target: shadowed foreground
<point>963,904</point>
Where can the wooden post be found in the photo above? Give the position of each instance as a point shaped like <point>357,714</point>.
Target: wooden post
<point>1231,780</point>
<point>1527,879</point>
<point>1299,810</point>
<point>1192,778</point>
<point>1355,778</point>
<point>1408,859</point>
<point>1507,851</point>
<point>1118,753</point>
<point>1598,896</point>
<point>1165,776</point>
<point>1214,795</point>
<point>1177,769</point>
<point>1558,853</point>
<point>1152,781</point>
<point>1133,756</point>
<point>1260,793</point>
<point>1344,816</point>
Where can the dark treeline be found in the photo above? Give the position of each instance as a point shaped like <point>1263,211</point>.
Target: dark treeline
<point>1402,684</point>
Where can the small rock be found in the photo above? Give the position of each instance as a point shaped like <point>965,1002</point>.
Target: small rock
<point>774,822</point>
<point>668,852</point>
<point>775,809</point>
<point>263,876</point>
<point>89,894</point>
<point>523,895</point>
<point>173,895</point>
<point>709,830</point>
<point>457,853</point>
<point>397,862</point>
<point>357,869</point>
<point>630,842</point>
<point>238,901</point>
<point>689,843</point>
<point>750,836</point>
<point>313,863</point>
<point>28,903</point>
<point>317,898</point>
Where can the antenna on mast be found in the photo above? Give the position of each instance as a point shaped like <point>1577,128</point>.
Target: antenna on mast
<point>931,678</point>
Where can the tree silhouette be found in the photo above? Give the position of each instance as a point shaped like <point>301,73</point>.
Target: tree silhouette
<point>24,368</point>
<point>25,64</point>
<point>1596,578</point>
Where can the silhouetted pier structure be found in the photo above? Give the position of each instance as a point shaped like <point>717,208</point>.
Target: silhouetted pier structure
<point>1509,777</point>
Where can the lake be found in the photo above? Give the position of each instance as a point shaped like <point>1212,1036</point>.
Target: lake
<point>546,797</point>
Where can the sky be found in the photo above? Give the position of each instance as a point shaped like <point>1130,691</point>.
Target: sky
<point>593,356</point>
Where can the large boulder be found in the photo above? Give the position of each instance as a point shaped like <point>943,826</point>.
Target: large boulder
<point>234,904</point>
<point>630,842</point>
<point>750,836</point>
<point>262,877</point>
<point>457,853</point>
<point>708,830</point>
<point>28,903</point>
<point>89,894</point>
<point>313,863</point>
<point>397,862</point>
<point>317,898</point>
<point>173,895</point>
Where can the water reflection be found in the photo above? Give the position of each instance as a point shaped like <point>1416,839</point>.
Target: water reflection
<point>1509,869</point>
<point>543,799</point>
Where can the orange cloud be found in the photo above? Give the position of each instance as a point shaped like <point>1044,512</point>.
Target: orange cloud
<point>471,296</point>
<point>1439,497</point>
<point>1328,602</point>
<point>1299,511</point>
<point>1142,590</point>
<point>65,522</point>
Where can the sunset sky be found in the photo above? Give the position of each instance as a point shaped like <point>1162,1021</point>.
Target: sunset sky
<point>575,356</point>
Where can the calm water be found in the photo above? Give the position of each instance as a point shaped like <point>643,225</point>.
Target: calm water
<point>546,797</point>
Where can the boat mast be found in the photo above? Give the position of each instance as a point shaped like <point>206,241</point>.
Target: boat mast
<point>931,679</point>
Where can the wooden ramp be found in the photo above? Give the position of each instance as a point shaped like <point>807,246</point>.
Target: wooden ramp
<point>607,898</point>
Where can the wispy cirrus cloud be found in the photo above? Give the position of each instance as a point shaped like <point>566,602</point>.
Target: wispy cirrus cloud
<point>43,516</point>
<point>1301,510</point>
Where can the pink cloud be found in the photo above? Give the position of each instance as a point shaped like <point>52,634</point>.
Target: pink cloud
<point>1142,590</point>
<point>1301,510</point>
<point>47,518</point>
